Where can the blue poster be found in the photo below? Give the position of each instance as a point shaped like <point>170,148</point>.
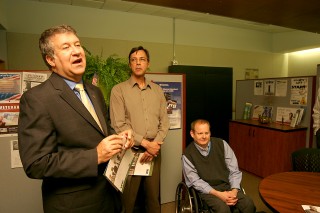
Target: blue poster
<point>172,92</point>
<point>10,87</point>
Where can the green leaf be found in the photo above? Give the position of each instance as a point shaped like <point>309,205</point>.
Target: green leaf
<point>110,71</point>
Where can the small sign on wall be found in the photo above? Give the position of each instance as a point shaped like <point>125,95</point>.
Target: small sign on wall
<point>251,73</point>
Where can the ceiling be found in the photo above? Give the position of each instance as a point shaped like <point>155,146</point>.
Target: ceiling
<point>264,15</point>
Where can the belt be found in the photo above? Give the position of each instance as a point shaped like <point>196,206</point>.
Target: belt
<point>141,148</point>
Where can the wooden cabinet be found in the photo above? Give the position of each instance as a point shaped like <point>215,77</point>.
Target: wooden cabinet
<point>264,149</point>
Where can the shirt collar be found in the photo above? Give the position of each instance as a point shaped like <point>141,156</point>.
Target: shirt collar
<point>132,82</point>
<point>71,84</point>
<point>201,149</point>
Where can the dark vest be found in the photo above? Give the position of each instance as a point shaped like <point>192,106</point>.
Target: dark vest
<point>211,168</point>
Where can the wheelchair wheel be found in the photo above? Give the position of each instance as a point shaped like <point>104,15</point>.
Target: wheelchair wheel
<point>185,201</point>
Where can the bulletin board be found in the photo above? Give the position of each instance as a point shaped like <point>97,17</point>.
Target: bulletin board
<point>278,93</point>
<point>19,193</point>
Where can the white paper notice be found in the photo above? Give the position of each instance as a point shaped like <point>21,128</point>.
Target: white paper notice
<point>15,156</point>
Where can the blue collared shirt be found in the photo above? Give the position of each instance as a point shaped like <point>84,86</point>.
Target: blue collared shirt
<point>191,175</point>
<point>72,85</point>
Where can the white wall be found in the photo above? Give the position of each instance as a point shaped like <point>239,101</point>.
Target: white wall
<point>303,63</point>
<point>3,13</point>
<point>222,37</point>
<point>3,25</point>
<point>33,17</point>
<point>3,46</point>
<point>294,41</point>
<point>89,22</point>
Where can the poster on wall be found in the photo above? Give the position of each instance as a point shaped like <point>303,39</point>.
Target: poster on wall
<point>269,87</point>
<point>281,88</point>
<point>15,156</point>
<point>10,87</point>
<point>32,79</point>
<point>258,87</point>
<point>299,91</point>
<point>172,92</point>
<point>9,114</point>
<point>251,73</point>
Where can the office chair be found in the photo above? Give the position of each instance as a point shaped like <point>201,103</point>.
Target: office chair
<point>306,159</point>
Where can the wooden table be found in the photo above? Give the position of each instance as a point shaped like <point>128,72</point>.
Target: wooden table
<point>287,191</point>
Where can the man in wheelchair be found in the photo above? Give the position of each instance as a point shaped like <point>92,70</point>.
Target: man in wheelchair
<point>211,168</point>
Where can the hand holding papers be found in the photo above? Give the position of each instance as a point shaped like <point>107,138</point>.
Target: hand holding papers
<point>126,162</point>
<point>137,168</point>
<point>118,167</point>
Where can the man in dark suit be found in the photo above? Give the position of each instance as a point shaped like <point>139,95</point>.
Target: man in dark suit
<point>59,140</point>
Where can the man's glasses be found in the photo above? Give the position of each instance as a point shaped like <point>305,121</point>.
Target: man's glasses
<point>138,60</point>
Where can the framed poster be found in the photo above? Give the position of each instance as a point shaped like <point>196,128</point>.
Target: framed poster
<point>172,92</point>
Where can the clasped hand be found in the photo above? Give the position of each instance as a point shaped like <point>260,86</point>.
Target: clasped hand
<point>152,150</point>
<point>229,197</point>
<point>113,144</point>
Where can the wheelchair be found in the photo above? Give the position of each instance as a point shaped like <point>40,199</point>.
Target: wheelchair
<point>187,200</point>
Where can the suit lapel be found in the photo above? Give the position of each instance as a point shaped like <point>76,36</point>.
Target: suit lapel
<point>70,98</point>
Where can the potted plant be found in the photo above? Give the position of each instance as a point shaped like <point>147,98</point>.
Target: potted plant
<point>108,72</point>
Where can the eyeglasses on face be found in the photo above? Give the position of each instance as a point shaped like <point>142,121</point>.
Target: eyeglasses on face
<point>138,60</point>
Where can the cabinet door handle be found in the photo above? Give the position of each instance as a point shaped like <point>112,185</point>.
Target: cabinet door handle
<point>252,133</point>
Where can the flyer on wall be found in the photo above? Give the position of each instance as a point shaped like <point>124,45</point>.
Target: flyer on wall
<point>9,114</point>
<point>15,155</point>
<point>258,87</point>
<point>10,93</point>
<point>32,79</point>
<point>172,92</point>
<point>299,91</point>
<point>10,87</point>
<point>269,87</point>
<point>281,88</point>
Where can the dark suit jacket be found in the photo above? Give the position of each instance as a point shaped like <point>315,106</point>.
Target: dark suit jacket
<point>57,143</point>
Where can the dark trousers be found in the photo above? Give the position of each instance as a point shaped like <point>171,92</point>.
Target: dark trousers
<point>95,197</point>
<point>150,189</point>
<point>244,204</point>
